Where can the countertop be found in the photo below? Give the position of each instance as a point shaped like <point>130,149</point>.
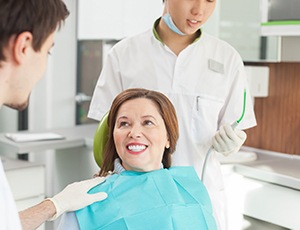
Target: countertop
<point>77,136</point>
<point>12,164</point>
<point>272,167</point>
<point>268,188</point>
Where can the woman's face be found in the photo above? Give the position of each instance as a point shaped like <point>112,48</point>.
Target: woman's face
<point>190,15</point>
<point>140,135</point>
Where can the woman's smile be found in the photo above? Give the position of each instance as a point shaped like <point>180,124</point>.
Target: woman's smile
<point>136,148</point>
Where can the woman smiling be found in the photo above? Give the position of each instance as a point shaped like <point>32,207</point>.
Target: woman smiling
<point>144,191</point>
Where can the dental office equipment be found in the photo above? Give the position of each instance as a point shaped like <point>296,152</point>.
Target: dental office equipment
<point>233,125</point>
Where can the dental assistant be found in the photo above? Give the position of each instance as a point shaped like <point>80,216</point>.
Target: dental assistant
<point>203,76</point>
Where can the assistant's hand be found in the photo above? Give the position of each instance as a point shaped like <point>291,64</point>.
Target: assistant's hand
<point>75,196</point>
<point>228,140</point>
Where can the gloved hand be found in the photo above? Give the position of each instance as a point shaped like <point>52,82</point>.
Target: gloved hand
<point>75,196</point>
<point>228,140</point>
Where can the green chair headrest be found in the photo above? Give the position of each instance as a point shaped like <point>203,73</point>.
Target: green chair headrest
<point>100,140</point>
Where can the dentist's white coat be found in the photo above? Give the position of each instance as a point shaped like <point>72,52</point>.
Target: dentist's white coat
<point>9,218</point>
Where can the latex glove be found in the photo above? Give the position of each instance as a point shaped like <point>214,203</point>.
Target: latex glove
<point>228,140</point>
<point>75,196</point>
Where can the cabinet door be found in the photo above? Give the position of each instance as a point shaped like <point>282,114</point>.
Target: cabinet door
<point>26,182</point>
<point>115,19</point>
<point>99,19</point>
<point>139,15</point>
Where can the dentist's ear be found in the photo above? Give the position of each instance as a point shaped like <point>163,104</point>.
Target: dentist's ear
<point>21,44</point>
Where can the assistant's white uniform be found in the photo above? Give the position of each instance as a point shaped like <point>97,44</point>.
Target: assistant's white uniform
<point>205,82</point>
<point>9,218</point>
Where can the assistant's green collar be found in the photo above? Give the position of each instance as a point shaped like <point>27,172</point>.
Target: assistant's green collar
<point>159,39</point>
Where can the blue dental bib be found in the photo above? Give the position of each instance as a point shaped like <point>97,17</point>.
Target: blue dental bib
<point>166,199</point>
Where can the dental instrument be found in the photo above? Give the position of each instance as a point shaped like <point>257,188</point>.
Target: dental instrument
<point>233,125</point>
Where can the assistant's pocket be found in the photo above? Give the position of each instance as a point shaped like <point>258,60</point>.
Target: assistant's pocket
<point>205,118</point>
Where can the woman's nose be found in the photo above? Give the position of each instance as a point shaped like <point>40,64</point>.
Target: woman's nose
<point>135,132</point>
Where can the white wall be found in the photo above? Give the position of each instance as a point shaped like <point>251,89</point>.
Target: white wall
<point>212,26</point>
<point>240,26</point>
<point>52,103</point>
<point>8,120</point>
<point>116,19</point>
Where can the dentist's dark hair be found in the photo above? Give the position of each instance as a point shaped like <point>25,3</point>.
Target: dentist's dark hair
<point>39,17</point>
<point>167,112</point>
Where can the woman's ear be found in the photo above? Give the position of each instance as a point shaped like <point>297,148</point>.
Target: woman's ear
<point>167,144</point>
<point>22,44</point>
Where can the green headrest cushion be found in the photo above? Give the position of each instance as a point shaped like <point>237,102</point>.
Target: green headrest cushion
<point>100,140</point>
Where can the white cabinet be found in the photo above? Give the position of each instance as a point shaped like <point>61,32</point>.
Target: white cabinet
<point>280,18</point>
<point>255,204</point>
<point>272,203</point>
<point>280,28</point>
<point>115,19</point>
<point>27,182</point>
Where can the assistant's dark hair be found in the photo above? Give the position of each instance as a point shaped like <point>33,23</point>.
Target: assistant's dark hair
<point>40,17</point>
<point>167,112</point>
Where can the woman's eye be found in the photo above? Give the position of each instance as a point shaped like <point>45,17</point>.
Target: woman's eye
<point>148,122</point>
<point>123,123</point>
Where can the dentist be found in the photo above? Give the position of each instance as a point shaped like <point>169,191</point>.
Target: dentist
<point>27,29</point>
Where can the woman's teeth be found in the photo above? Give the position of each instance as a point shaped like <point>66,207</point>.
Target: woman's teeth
<point>136,148</point>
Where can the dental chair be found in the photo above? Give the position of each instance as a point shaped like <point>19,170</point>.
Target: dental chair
<point>100,139</point>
